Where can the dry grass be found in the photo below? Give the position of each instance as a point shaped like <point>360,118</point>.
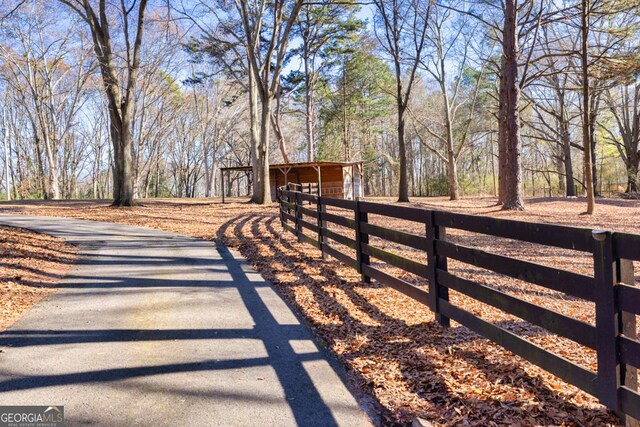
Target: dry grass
<point>389,343</point>
<point>31,265</point>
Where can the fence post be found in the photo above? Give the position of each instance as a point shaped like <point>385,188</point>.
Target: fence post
<point>435,262</point>
<point>321,224</point>
<point>292,211</point>
<point>607,320</point>
<point>628,373</point>
<point>298,212</point>
<point>361,238</point>
<point>285,208</point>
<point>280,205</point>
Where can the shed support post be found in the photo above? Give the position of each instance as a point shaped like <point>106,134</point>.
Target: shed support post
<point>285,173</point>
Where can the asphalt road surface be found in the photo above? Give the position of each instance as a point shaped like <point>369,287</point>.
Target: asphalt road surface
<point>156,328</point>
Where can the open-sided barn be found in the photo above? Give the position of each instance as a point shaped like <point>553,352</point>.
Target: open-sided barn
<point>341,180</point>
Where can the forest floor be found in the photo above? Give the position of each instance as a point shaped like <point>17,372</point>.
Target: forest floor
<point>31,265</point>
<point>389,343</point>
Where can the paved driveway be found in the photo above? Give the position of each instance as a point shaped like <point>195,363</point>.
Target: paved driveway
<point>156,328</point>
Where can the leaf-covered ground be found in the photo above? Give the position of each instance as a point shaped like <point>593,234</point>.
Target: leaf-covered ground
<point>390,344</point>
<point>31,265</point>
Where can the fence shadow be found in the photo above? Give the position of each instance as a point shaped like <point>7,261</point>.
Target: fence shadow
<point>422,361</point>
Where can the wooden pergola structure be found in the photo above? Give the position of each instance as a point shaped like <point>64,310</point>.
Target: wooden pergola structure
<point>341,180</point>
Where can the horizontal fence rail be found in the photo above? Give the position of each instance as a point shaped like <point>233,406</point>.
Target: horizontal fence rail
<point>611,287</point>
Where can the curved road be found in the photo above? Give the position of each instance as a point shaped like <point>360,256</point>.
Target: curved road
<point>156,328</point>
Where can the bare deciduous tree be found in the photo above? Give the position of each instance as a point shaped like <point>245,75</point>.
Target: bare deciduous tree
<point>118,90</point>
<point>402,36</point>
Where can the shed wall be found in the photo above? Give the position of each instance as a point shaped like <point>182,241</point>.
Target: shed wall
<point>332,179</point>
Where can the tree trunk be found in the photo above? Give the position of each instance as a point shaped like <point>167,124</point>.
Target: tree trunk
<point>586,107</point>
<point>632,173</point>
<point>263,153</point>
<point>126,173</point>
<point>115,145</point>
<point>562,184</point>
<point>502,155</point>
<point>7,168</point>
<point>568,165</point>
<point>122,158</point>
<point>509,104</point>
<point>452,167</point>
<point>594,163</point>
<point>53,181</point>
<point>595,107</point>
<point>565,140</point>
<point>493,160</point>
<point>345,125</point>
<point>255,139</point>
<point>309,115</point>
<point>403,185</point>
<point>452,171</point>
<point>280,137</point>
<point>208,172</point>
<point>44,183</point>
<point>275,123</point>
<point>210,190</point>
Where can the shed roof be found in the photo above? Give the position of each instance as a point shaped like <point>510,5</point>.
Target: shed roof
<point>293,165</point>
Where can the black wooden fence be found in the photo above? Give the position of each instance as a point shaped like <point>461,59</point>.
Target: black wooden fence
<point>611,288</point>
<point>308,188</point>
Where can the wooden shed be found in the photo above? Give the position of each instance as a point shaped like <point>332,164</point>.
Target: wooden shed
<point>342,180</point>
